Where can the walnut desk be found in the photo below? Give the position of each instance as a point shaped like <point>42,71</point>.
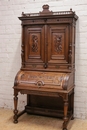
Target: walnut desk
<point>48,64</point>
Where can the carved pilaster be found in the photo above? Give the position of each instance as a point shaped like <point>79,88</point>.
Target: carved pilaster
<point>70,53</point>
<point>22,49</point>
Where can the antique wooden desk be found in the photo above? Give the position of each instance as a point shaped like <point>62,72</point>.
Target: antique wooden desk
<point>48,64</point>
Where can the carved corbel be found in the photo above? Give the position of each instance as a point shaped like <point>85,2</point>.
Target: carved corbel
<point>64,96</point>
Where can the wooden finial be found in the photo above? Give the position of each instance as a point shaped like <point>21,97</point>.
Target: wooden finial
<point>70,9</point>
<point>46,10</point>
<point>45,7</point>
<point>22,13</point>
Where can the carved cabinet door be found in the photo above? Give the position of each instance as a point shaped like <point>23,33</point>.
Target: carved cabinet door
<point>46,46</point>
<point>58,44</point>
<point>34,46</point>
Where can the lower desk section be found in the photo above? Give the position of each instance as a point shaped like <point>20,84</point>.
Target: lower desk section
<point>48,93</point>
<point>46,112</point>
<point>45,102</point>
<point>48,106</point>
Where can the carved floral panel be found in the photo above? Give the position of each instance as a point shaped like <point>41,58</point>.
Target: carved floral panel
<point>34,46</point>
<point>58,43</point>
<point>34,43</point>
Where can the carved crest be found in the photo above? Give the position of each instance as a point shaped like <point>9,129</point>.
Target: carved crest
<point>46,10</point>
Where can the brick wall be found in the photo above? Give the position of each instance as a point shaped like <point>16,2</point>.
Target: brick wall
<point>10,48</point>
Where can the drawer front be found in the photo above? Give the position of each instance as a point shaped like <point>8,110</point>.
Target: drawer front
<point>34,66</point>
<point>56,66</point>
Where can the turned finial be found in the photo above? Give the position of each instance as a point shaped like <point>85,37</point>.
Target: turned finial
<point>70,9</point>
<point>46,10</point>
<point>45,7</point>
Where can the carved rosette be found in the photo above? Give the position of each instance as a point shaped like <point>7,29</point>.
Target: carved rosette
<point>34,46</point>
<point>58,43</point>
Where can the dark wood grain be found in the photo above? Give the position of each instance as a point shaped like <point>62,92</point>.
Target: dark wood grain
<point>48,64</point>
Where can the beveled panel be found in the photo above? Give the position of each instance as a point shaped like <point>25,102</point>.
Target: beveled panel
<point>34,45</point>
<point>58,43</point>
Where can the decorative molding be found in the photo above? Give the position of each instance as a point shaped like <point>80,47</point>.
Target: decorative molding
<point>46,11</point>
<point>63,12</point>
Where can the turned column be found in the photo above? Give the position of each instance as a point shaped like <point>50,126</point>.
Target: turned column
<point>65,113</point>
<point>15,106</point>
<point>72,105</point>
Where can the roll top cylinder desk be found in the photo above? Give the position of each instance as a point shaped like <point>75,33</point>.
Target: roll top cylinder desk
<point>48,64</point>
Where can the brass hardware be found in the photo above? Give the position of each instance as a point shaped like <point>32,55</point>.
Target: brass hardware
<point>39,84</point>
<point>45,65</point>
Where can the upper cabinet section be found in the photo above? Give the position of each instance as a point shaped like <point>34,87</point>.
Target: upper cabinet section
<point>48,40</point>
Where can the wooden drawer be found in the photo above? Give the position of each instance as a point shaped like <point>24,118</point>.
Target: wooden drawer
<point>34,66</point>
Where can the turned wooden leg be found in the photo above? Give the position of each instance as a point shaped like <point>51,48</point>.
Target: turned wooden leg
<point>15,106</point>
<point>65,115</point>
<point>72,105</point>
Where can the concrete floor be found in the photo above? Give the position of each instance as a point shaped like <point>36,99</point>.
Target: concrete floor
<point>32,122</point>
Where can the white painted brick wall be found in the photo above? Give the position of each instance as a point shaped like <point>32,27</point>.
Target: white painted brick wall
<point>10,48</point>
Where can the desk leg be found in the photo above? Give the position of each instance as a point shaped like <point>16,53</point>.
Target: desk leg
<point>72,105</point>
<point>65,114</point>
<point>15,106</point>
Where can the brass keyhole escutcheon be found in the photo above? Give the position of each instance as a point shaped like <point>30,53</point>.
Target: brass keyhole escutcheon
<point>40,84</point>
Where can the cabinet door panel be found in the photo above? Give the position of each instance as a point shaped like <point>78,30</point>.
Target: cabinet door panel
<point>34,44</point>
<point>58,43</point>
